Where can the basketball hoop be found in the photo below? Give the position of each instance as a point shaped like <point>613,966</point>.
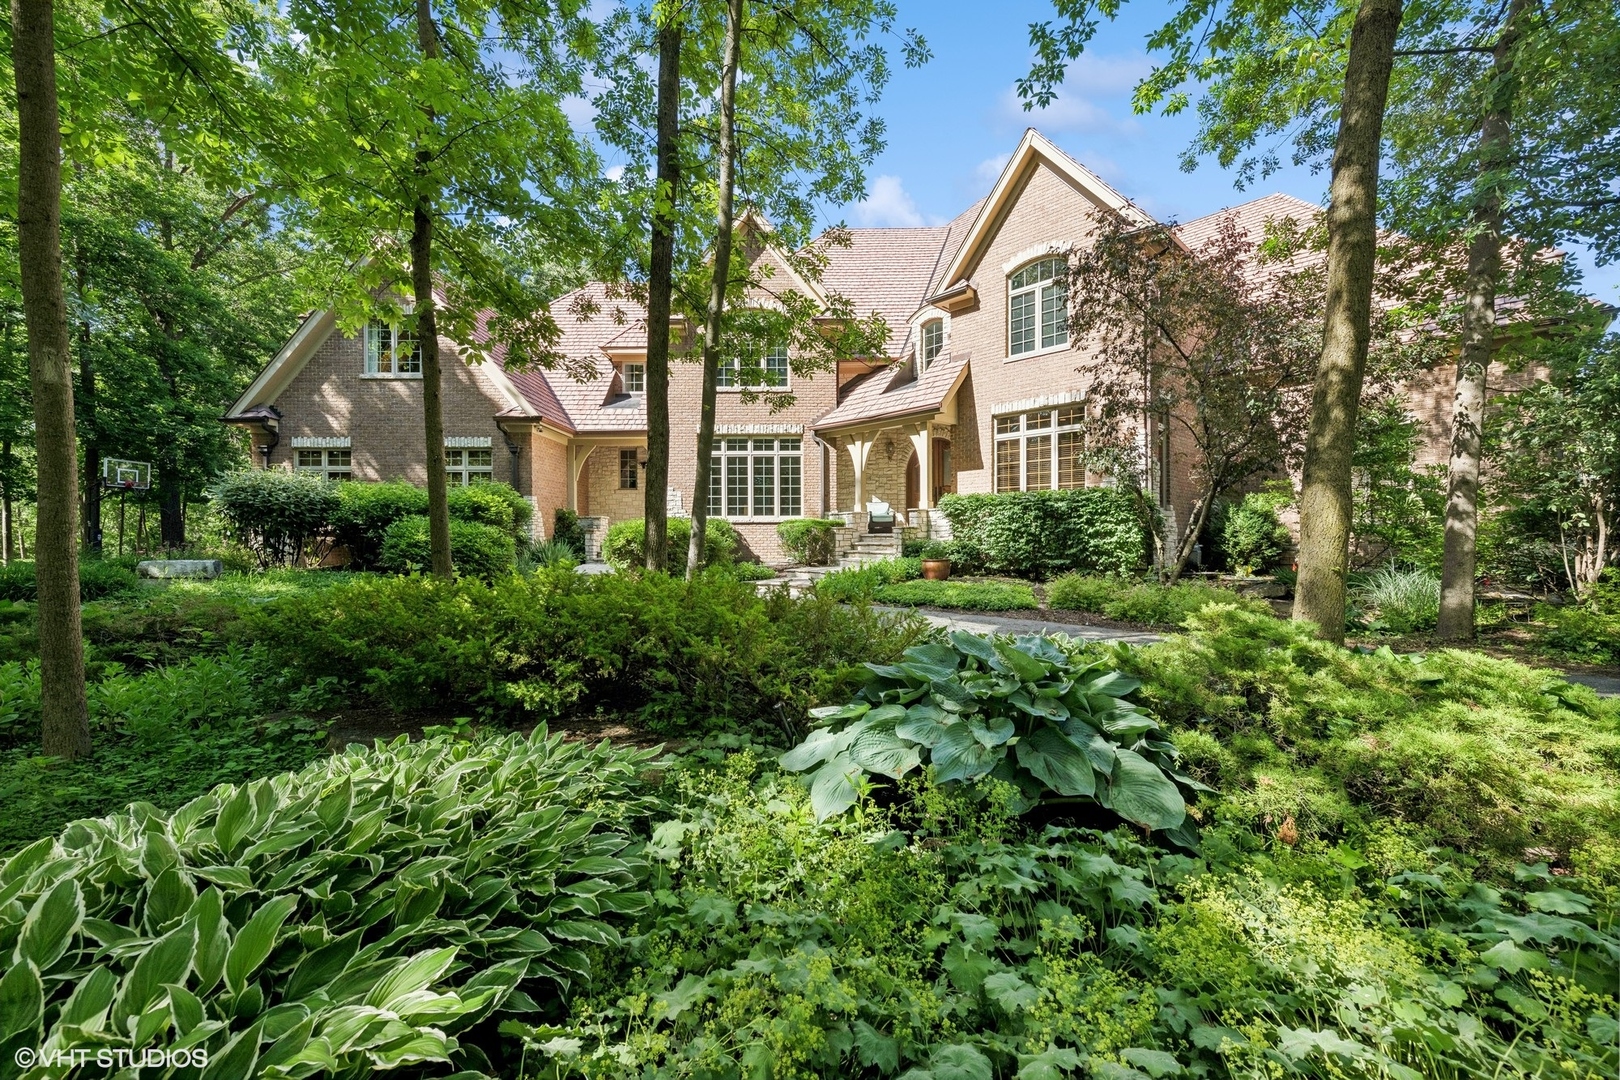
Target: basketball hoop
<point>125,475</point>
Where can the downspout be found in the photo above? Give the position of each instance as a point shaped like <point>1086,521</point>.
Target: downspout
<point>272,428</point>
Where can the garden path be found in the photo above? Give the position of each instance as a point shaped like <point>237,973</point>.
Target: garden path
<point>982,623</point>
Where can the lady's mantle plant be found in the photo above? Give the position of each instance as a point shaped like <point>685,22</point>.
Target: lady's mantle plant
<point>1024,710</point>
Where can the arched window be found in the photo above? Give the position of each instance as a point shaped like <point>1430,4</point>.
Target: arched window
<point>933,340</point>
<point>1037,310</point>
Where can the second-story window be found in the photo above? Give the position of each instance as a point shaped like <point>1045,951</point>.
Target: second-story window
<point>1037,310</point>
<point>635,378</point>
<point>933,340</point>
<point>774,365</point>
<point>391,351</point>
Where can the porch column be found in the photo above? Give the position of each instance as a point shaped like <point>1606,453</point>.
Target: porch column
<point>922,442</point>
<point>576,467</point>
<point>859,446</point>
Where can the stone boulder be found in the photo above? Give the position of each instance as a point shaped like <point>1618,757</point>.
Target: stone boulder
<point>165,569</point>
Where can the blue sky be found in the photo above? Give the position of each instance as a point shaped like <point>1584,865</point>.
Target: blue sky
<point>952,123</point>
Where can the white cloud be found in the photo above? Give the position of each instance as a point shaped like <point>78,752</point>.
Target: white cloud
<point>1080,102</point>
<point>887,205</point>
<point>988,171</point>
<point>615,174</point>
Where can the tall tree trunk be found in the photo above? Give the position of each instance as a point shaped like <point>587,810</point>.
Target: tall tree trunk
<point>87,411</point>
<point>1189,538</point>
<point>1352,219</point>
<point>427,334</point>
<point>660,286</point>
<point>64,719</point>
<point>1478,340</point>
<point>8,544</point>
<point>719,283</point>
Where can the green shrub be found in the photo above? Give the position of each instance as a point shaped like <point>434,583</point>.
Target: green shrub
<point>98,580</point>
<point>276,515</point>
<point>547,553</point>
<point>744,571</point>
<point>861,583</point>
<point>337,920</point>
<point>365,511</point>
<point>1456,746</point>
<point>480,550</point>
<point>810,541</point>
<point>1025,710</point>
<point>1146,603</point>
<point>1406,601</point>
<point>1579,633</point>
<point>680,656</point>
<point>966,595</point>
<point>1252,539</point>
<point>566,529</point>
<point>1043,533</point>
<point>623,547</point>
<point>497,505</point>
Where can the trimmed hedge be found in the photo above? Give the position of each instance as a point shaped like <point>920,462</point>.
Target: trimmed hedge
<point>496,505</point>
<point>566,529</point>
<point>275,514</point>
<point>623,547</point>
<point>811,541</point>
<point>479,550</point>
<point>964,595</point>
<point>365,511</point>
<point>1039,534</point>
<point>1144,602</point>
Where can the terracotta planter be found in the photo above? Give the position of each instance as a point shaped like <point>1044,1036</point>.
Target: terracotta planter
<point>936,569</point>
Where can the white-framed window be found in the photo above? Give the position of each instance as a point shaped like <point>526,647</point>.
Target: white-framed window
<point>774,364</point>
<point>933,340</point>
<point>1041,450</point>
<point>635,378</point>
<point>469,465</point>
<point>629,469</point>
<point>391,351</point>
<point>331,464</point>
<point>751,477</point>
<point>1037,309</point>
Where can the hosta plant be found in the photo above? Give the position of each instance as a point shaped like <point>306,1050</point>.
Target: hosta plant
<point>1025,710</point>
<point>384,908</point>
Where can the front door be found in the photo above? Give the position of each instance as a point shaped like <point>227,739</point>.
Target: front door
<point>944,480</point>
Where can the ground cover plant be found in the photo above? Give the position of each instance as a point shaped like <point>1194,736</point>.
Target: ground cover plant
<point>943,937</point>
<point>962,595</point>
<point>1147,603</point>
<point>1311,742</point>
<point>386,907</point>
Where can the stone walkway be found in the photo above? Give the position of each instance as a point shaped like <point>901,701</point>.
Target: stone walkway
<point>990,623</point>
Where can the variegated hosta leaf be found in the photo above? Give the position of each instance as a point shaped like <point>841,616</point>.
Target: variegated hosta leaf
<point>358,915</point>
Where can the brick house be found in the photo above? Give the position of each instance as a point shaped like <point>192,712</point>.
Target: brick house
<point>980,389</point>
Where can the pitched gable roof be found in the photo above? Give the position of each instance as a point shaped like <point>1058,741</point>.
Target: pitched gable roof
<point>1034,151</point>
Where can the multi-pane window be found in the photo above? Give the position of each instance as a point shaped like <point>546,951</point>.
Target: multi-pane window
<point>1041,450</point>
<point>933,340</point>
<point>629,469</point>
<point>332,464</point>
<point>471,465</point>
<point>635,379</point>
<point>1037,310</point>
<point>756,478</point>
<point>391,351</point>
<point>774,365</point>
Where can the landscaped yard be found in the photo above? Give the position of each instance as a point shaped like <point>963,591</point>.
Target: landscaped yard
<point>1386,865</point>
